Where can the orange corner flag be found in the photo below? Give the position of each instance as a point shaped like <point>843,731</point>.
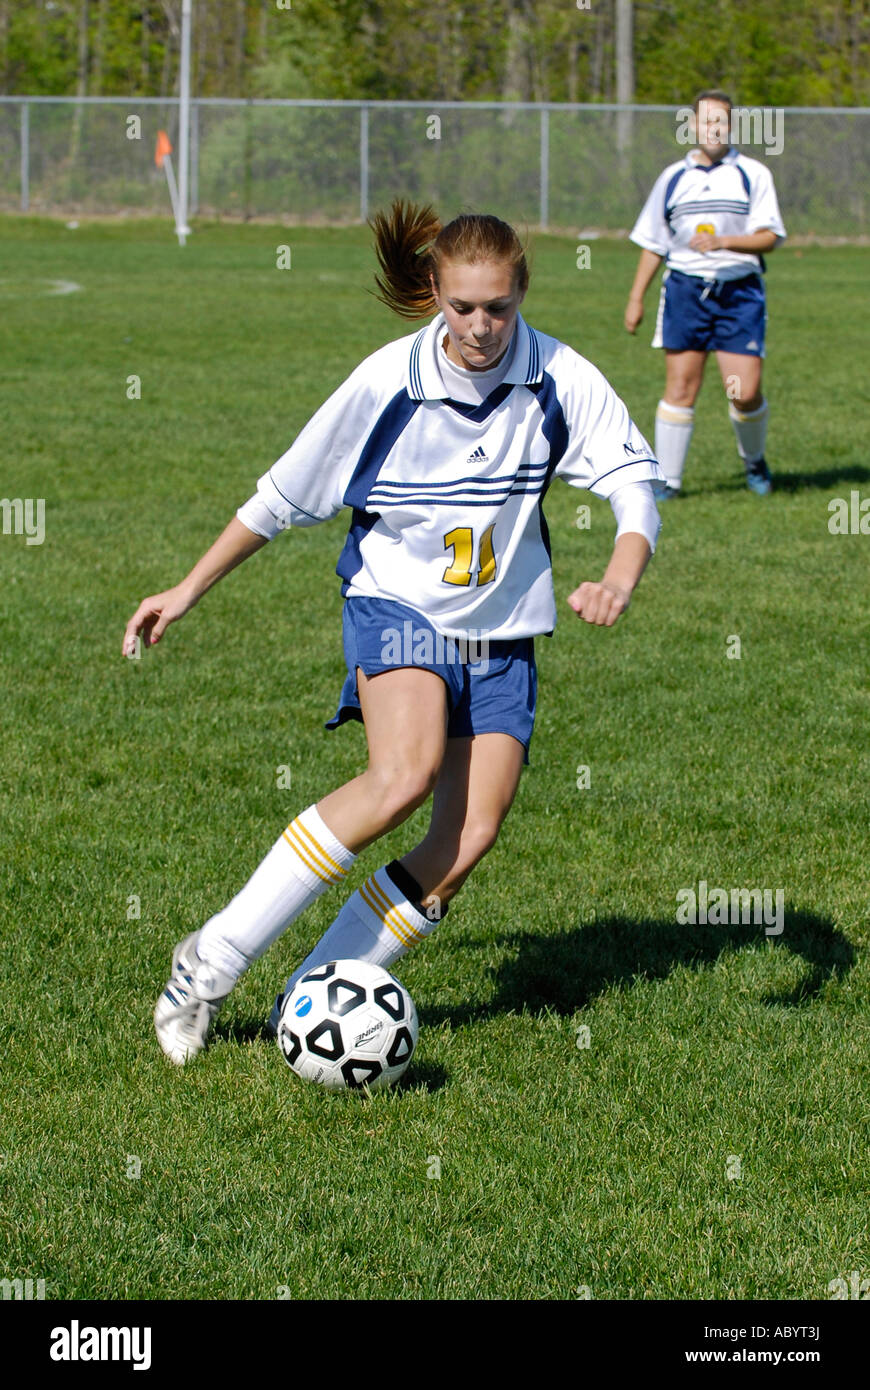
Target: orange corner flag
<point>164,148</point>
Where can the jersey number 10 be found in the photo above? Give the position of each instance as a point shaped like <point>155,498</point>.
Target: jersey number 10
<point>461,541</point>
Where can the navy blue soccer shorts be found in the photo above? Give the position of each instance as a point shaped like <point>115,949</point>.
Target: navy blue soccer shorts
<point>711,315</point>
<point>492,685</point>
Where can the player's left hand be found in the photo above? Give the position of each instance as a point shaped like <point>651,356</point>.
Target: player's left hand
<point>705,241</point>
<point>600,604</point>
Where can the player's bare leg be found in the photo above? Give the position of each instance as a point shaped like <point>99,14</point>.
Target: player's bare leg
<point>405,716</point>
<point>399,905</point>
<point>477,785</point>
<point>684,374</point>
<point>675,414</point>
<point>406,724</point>
<point>741,375</point>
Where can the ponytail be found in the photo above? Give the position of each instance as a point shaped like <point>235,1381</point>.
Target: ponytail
<point>403,242</point>
<point>411,245</point>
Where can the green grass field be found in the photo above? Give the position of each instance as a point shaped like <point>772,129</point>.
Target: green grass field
<point>710,1142</point>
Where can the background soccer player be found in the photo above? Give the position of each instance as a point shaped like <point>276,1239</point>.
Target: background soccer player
<point>710,216</point>
<point>442,444</point>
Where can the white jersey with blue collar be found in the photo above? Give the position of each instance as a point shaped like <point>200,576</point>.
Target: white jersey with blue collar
<point>445,496</point>
<point>734,197</point>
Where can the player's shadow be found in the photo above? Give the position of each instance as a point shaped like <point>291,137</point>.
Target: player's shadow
<point>428,1076</point>
<point>850,476</point>
<point>826,479</point>
<point>246,1030</point>
<point>563,973</point>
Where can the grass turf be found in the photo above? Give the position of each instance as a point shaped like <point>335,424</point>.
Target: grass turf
<point>710,1141</point>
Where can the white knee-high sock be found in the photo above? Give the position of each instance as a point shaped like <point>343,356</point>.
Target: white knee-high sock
<point>377,924</point>
<point>751,431</point>
<point>674,425</point>
<point>300,866</point>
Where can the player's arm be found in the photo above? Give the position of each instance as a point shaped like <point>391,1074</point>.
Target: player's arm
<point>154,614</point>
<point>602,603</point>
<point>647,267</point>
<point>638,525</point>
<point>763,240</point>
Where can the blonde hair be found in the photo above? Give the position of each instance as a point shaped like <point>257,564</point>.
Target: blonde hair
<point>411,245</point>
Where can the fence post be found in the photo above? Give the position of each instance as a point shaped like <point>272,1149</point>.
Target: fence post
<point>194,157</point>
<point>184,123</point>
<point>249,155</point>
<point>545,168</point>
<point>364,163</point>
<point>25,157</point>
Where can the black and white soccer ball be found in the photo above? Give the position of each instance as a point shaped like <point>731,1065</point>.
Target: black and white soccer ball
<point>348,1024</point>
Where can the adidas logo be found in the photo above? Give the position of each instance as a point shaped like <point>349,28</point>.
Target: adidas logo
<point>752,346</point>
<point>479,456</point>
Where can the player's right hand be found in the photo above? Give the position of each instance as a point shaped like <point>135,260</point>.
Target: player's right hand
<point>153,616</point>
<point>633,314</point>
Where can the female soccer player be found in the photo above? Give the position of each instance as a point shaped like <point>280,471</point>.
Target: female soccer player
<point>710,216</point>
<point>442,445</point>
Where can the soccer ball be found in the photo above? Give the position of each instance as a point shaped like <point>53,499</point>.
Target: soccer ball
<point>348,1024</point>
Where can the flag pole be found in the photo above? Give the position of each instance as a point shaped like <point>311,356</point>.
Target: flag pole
<point>163,160</point>
<point>181,226</point>
<point>173,187</point>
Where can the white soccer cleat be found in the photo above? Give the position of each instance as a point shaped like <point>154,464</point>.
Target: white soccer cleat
<point>189,1003</point>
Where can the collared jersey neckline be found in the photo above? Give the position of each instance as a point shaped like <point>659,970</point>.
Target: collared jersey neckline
<point>470,387</point>
<point>424,381</point>
<point>692,162</point>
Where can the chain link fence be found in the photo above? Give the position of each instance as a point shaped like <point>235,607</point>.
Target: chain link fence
<point>566,167</point>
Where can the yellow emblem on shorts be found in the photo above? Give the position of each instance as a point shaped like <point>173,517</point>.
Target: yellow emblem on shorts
<point>706,227</point>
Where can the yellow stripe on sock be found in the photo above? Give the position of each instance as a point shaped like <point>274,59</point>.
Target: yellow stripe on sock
<point>301,850</point>
<point>674,414</point>
<point>397,931</point>
<point>319,847</point>
<point>380,896</point>
<point>747,414</point>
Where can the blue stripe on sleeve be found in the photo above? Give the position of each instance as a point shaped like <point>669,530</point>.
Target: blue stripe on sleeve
<point>389,426</point>
<point>668,191</point>
<point>555,431</point>
<point>554,427</point>
<point>629,463</point>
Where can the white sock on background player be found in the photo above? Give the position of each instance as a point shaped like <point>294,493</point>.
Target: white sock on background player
<point>751,431</point>
<point>674,425</point>
<point>301,865</point>
<point>378,924</point>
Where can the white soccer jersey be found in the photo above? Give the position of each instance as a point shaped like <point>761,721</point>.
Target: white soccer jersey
<point>446,496</point>
<point>732,198</point>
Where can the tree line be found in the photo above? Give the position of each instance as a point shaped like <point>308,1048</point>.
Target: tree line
<point>779,52</point>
